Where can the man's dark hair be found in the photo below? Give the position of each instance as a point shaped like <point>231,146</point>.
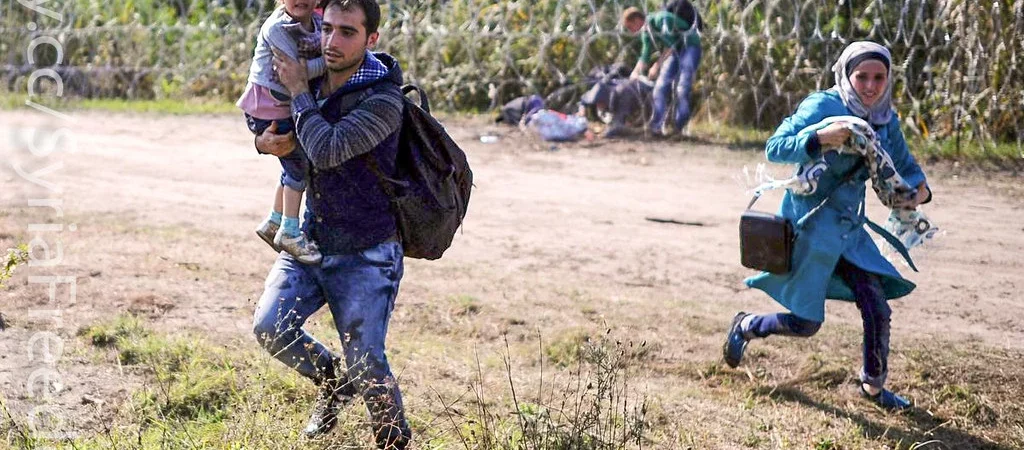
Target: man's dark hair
<point>370,8</point>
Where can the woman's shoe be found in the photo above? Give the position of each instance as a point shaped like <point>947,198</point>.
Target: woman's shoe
<point>886,399</point>
<point>735,341</point>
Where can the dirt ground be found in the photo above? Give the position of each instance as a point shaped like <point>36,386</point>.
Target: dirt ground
<point>156,214</point>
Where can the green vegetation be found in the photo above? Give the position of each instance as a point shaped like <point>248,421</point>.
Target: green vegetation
<point>163,106</point>
<point>955,78</point>
<point>199,395</point>
<point>10,262</point>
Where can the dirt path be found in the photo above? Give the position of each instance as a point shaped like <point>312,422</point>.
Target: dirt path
<point>555,241</point>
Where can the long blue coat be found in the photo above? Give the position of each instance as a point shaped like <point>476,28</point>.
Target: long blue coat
<point>837,229</point>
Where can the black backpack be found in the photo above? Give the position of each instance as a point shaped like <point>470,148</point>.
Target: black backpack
<point>431,192</point>
<point>685,10</point>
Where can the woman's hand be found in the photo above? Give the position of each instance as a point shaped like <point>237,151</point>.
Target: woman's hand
<point>922,194</point>
<point>833,136</point>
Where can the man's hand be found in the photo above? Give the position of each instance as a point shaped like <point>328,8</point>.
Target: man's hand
<point>292,73</point>
<point>652,73</point>
<point>833,136</point>
<point>271,143</point>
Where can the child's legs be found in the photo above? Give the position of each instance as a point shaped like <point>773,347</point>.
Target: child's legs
<point>291,199</point>
<point>289,190</point>
<point>279,199</point>
<point>294,172</point>
<point>293,182</point>
<point>257,126</point>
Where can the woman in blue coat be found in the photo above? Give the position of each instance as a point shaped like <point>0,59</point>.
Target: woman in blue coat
<point>833,256</point>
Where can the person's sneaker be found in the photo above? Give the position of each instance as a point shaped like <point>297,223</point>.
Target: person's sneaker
<point>886,399</point>
<point>304,250</point>
<point>735,342</point>
<point>267,231</point>
<point>330,399</point>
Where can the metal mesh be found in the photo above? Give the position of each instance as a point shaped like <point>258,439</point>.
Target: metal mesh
<point>958,62</point>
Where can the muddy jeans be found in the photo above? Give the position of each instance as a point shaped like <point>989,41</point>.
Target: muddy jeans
<point>360,290</point>
<point>874,311</point>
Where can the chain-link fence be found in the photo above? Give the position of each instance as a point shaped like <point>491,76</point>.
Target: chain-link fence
<point>959,63</point>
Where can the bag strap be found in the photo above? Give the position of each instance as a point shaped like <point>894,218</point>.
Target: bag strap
<point>371,162</point>
<point>849,176</point>
<point>382,179</point>
<point>893,241</point>
<point>424,103</point>
<point>878,229</point>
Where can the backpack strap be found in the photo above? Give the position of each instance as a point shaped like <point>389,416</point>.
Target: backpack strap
<point>371,162</point>
<point>382,180</point>
<point>424,103</point>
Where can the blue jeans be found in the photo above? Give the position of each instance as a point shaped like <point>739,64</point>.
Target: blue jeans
<point>293,166</point>
<point>678,70</point>
<point>874,311</point>
<point>360,290</point>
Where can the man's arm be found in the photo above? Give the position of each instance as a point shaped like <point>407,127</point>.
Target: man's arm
<point>646,48</point>
<point>329,145</point>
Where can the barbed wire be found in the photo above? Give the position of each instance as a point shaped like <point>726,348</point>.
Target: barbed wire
<point>958,62</point>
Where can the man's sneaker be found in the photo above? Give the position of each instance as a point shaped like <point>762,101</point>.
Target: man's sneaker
<point>886,399</point>
<point>304,250</point>
<point>267,231</point>
<point>330,399</point>
<point>736,342</point>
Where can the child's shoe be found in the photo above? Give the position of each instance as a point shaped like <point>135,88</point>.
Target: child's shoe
<point>267,231</point>
<point>304,250</point>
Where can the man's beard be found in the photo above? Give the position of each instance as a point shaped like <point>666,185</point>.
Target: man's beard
<point>337,68</point>
<point>342,68</point>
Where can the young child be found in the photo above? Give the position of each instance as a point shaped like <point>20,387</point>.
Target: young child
<point>294,29</point>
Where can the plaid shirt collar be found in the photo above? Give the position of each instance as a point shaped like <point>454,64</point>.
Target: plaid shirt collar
<point>371,70</point>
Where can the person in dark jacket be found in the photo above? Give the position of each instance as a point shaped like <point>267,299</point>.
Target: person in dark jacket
<point>346,121</point>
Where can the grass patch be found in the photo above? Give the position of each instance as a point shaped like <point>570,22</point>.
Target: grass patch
<point>464,305</point>
<point>730,135</point>
<point>11,101</point>
<point>565,350</point>
<point>10,262</point>
<point>1002,154</point>
<point>198,395</point>
<point>592,406</point>
<point>118,333</point>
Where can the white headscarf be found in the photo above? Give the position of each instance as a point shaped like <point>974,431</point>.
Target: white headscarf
<point>881,112</point>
